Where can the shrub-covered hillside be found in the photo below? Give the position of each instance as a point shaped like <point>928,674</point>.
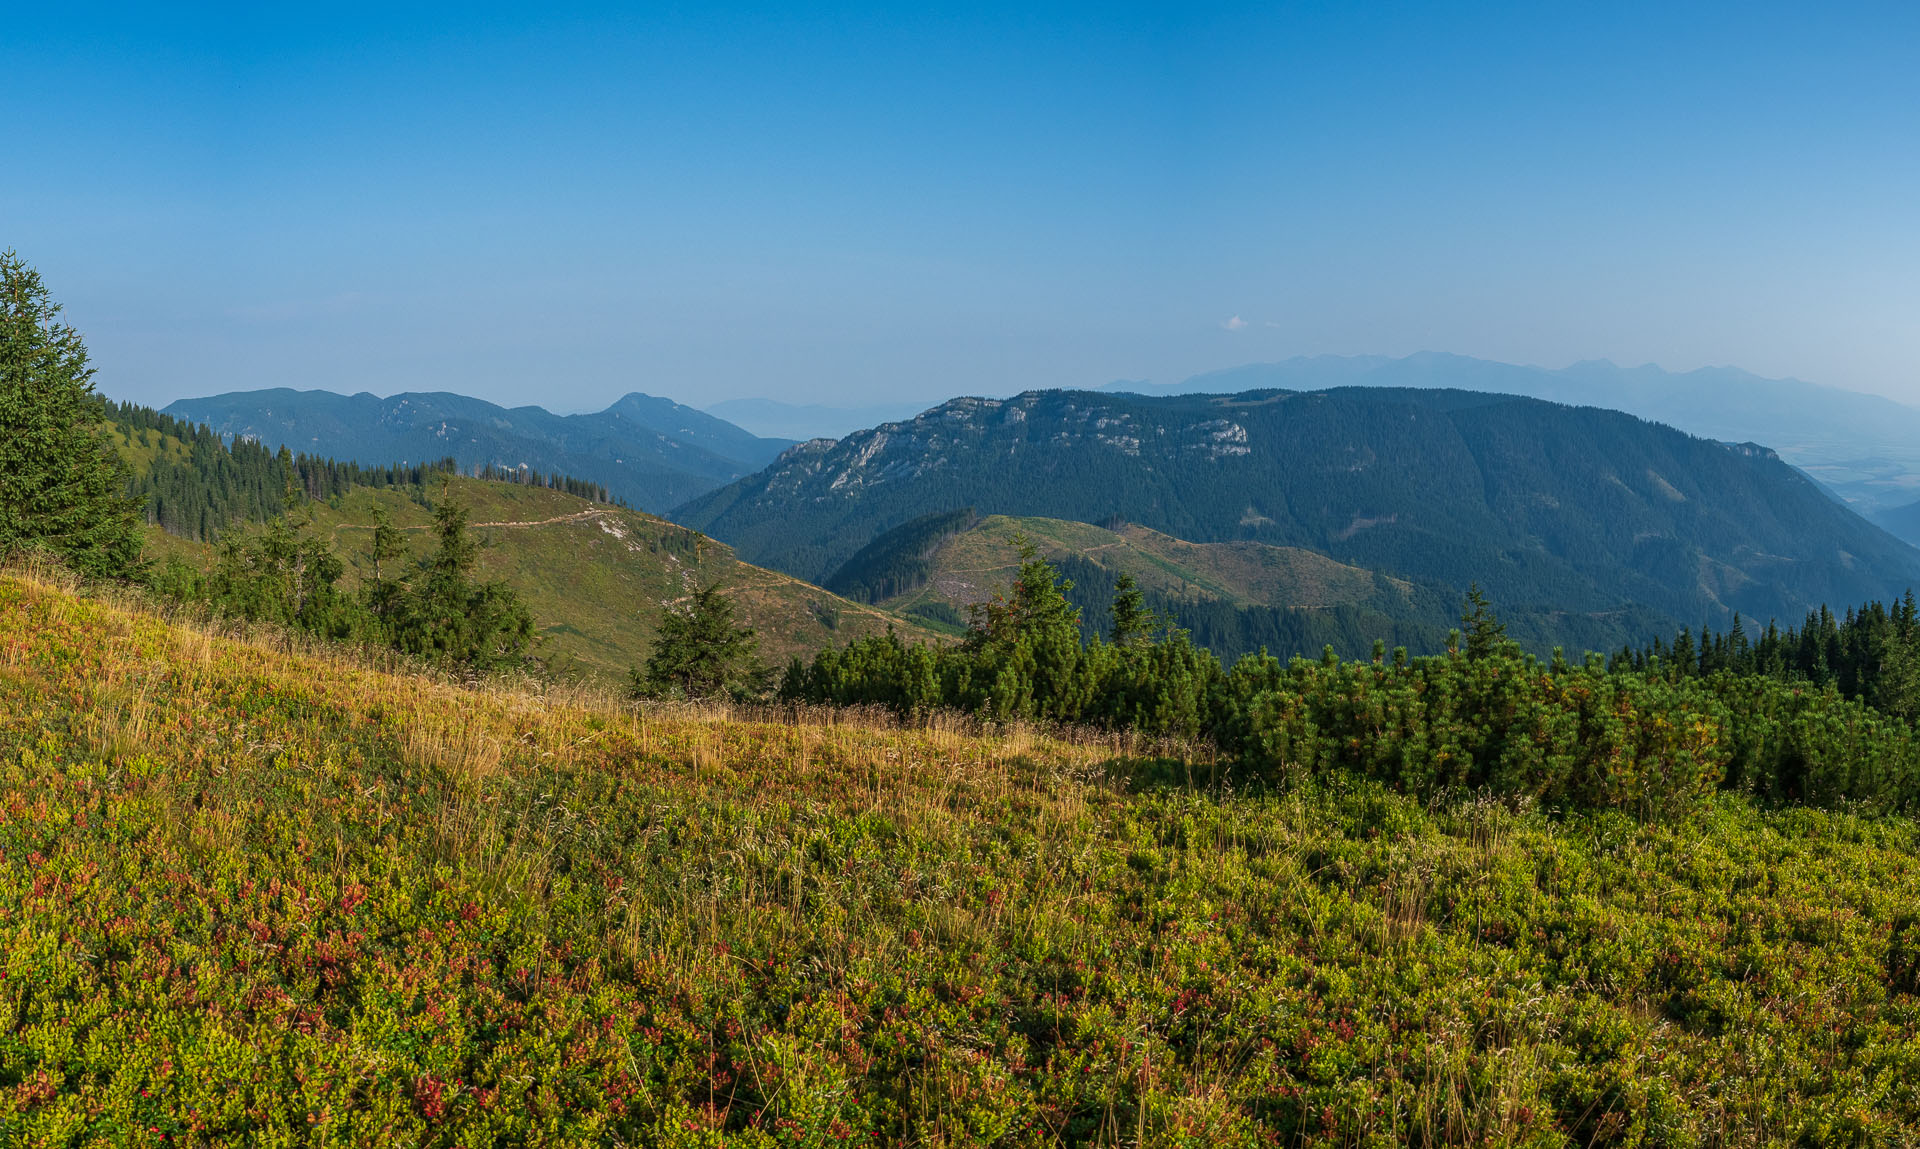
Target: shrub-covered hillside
<point>257,896</point>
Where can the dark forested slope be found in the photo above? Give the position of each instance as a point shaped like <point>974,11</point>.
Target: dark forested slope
<point>1577,509</point>
<point>651,452</point>
<point>1903,521</point>
<point>1865,447</point>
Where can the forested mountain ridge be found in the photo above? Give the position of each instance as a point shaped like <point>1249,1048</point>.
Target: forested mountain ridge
<point>651,452</point>
<point>1546,506</point>
<point>1865,447</point>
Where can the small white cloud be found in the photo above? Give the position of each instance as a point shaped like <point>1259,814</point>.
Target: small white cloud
<point>1234,324</point>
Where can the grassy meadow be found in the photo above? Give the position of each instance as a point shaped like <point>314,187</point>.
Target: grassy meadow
<point>255,893</point>
<point>981,561</point>
<point>593,575</point>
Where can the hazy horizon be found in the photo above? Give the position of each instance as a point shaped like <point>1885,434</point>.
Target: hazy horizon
<point>860,207</point>
<point>829,403</point>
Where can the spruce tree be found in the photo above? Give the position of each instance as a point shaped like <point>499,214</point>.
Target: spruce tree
<point>447,616</point>
<point>382,590</point>
<point>62,487</point>
<point>1485,632</point>
<point>284,573</point>
<point>1132,621</point>
<point>700,653</point>
<point>1035,608</point>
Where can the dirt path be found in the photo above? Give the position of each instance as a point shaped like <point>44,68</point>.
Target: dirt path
<point>576,517</point>
<point>768,580</point>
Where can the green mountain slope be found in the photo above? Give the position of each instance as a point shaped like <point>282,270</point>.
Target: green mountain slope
<point>968,565</point>
<point>1549,508</point>
<point>647,451</point>
<point>595,576</point>
<point>1233,597</point>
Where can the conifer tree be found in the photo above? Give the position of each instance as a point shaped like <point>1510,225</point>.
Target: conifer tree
<point>283,573</point>
<point>447,616</point>
<point>62,488</point>
<point>1132,621</point>
<point>1035,608</point>
<point>384,587</point>
<point>1485,633</point>
<point>700,653</point>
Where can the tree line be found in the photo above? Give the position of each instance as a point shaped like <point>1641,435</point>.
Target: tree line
<point>1871,653</point>
<point>1635,732</point>
<point>528,477</point>
<point>197,483</point>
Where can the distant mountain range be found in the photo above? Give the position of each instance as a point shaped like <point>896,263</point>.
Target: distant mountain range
<point>1548,507</point>
<point>1588,526</point>
<point>1864,447</point>
<point>651,452</point>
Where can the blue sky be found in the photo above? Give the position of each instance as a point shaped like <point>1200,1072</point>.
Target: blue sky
<point>862,205</point>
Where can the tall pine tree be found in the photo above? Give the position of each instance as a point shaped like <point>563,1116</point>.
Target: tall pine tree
<point>62,488</point>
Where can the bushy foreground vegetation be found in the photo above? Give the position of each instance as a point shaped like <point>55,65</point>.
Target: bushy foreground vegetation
<point>270,898</point>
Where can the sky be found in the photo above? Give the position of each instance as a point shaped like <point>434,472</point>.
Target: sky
<point>852,206</point>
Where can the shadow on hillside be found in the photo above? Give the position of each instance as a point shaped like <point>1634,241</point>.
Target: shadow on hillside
<point>1151,773</point>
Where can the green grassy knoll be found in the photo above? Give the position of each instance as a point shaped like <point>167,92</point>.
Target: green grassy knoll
<point>1234,597</point>
<point>976,563</point>
<point>252,896</point>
